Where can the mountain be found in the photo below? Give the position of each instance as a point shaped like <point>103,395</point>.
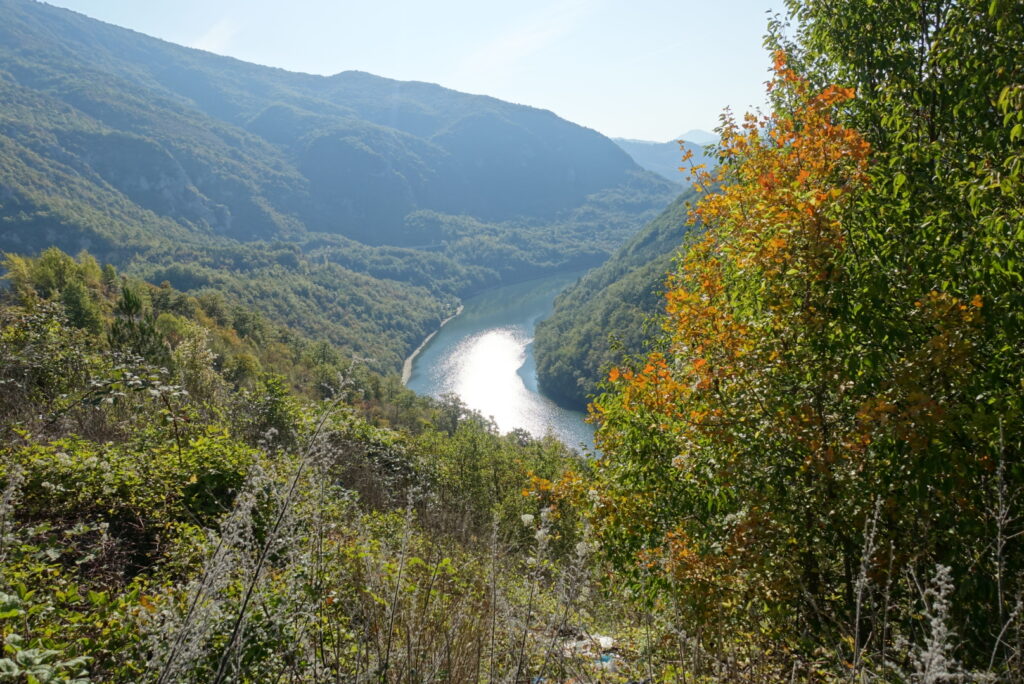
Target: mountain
<point>604,315</point>
<point>361,206</point>
<point>665,158</point>
<point>699,137</point>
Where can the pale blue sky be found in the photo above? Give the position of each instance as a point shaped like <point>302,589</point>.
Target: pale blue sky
<point>647,69</point>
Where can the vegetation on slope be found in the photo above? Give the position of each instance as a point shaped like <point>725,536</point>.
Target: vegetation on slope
<point>604,316</point>
<point>824,450</point>
<point>394,198</point>
<point>815,475</point>
<point>170,511</point>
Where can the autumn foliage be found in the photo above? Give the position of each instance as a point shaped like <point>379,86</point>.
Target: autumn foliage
<point>762,277</point>
<point>831,411</point>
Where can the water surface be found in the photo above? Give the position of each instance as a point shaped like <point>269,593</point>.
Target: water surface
<point>485,356</point>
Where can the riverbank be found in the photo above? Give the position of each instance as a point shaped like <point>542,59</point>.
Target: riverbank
<point>407,365</point>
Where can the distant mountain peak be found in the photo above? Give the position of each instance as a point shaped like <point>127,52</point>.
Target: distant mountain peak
<point>665,158</point>
<point>698,137</point>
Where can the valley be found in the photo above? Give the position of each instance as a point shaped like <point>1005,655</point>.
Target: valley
<point>363,207</point>
<point>334,377</point>
<point>613,311</point>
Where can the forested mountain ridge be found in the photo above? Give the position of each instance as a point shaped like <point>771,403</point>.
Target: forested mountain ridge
<point>317,150</point>
<point>373,203</point>
<point>665,158</point>
<point>604,315</point>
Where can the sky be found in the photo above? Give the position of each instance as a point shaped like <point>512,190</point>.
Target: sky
<point>644,69</point>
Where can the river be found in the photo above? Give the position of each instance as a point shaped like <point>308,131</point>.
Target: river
<point>485,356</point>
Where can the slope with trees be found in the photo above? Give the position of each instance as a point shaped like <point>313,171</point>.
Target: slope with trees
<point>247,150</point>
<point>604,315</point>
<point>191,493</point>
<point>815,474</point>
<point>394,198</point>
<point>825,447</point>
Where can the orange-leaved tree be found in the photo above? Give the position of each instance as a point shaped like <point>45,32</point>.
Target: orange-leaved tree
<point>732,453</point>
<point>834,411</point>
<point>829,414</point>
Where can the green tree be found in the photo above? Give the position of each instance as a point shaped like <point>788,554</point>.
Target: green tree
<point>835,408</point>
<point>939,278</point>
<point>82,310</point>
<point>134,329</point>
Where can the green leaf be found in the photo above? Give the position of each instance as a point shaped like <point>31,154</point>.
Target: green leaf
<point>897,182</point>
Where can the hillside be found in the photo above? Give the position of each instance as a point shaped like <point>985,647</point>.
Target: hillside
<point>158,480</point>
<point>810,469</point>
<point>354,207</point>
<point>665,158</point>
<point>603,316</point>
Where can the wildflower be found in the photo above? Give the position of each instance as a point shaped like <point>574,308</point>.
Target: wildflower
<point>527,519</point>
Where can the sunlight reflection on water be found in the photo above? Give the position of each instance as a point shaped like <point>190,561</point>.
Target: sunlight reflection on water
<point>484,356</point>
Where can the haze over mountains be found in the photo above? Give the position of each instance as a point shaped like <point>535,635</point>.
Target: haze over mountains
<point>665,158</point>
<point>808,446</point>
<point>170,161</point>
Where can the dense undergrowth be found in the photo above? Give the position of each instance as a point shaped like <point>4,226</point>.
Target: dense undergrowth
<point>166,517</point>
<point>171,513</point>
<point>204,496</point>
